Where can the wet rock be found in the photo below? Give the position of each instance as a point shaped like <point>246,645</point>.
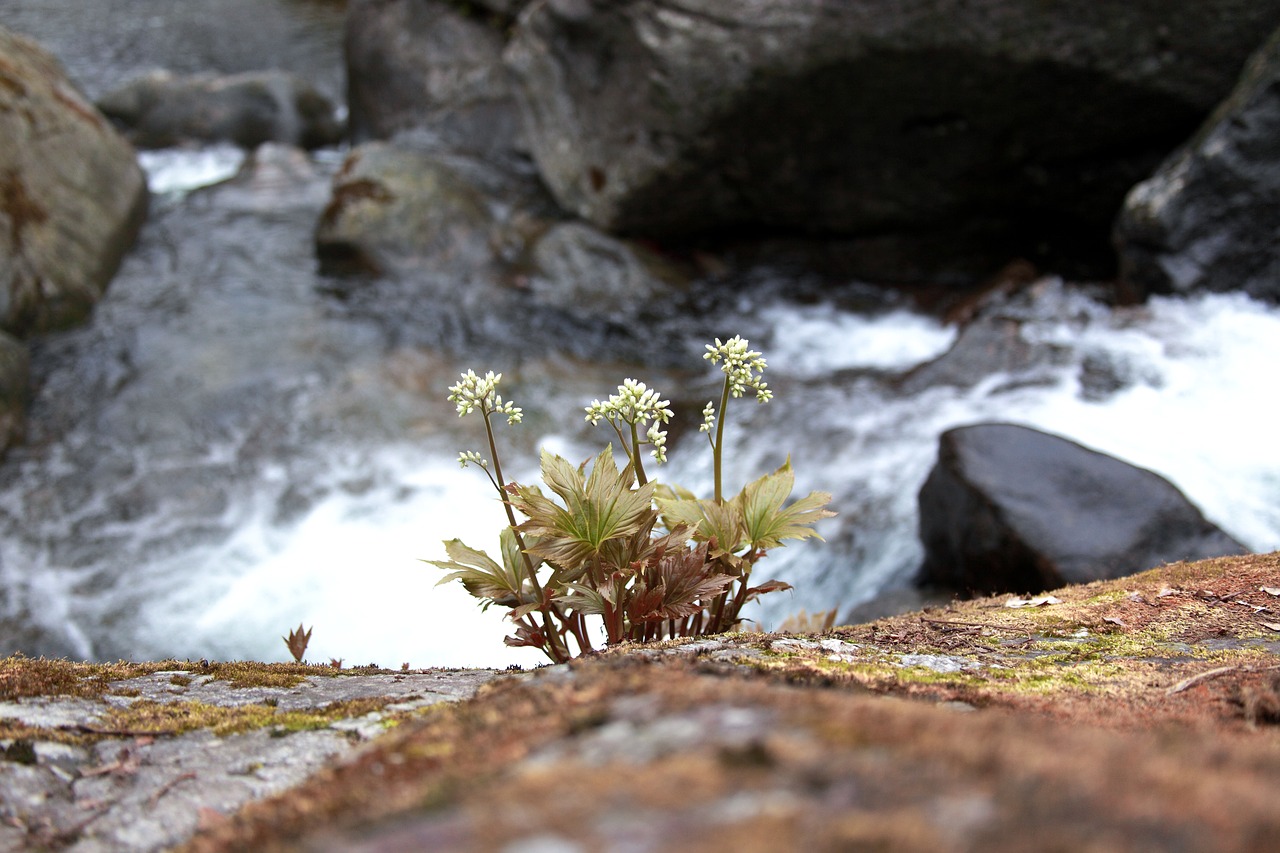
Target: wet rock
<point>993,342</point>
<point>394,207</point>
<point>430,65</point>
<point>1012,509</point>
<point>15,367</point>
<point>661,118</point>
<point>1207,219</point>
<point>72,196</point>
<point>161,109</point>
<point>593,276</point>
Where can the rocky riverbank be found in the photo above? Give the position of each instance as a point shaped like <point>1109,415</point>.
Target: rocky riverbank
<point>1133,714</point>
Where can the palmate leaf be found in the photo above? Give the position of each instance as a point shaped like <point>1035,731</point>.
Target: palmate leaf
<point>710,520</point>
<point>679,585</point>
<point>766,522</point>
<point>597,510</point>
<point>581,598</point>
<point>480,575</point>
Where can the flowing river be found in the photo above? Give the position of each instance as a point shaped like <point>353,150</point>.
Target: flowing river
<point>236,444</point>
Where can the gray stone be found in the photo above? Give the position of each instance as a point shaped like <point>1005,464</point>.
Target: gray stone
<point>161,109</point>
<point>427,65</point>
<point>128,793</point>
<point>391,207</point>
<point>1011,509</point>
<point>1209,218</point>
<point>593,276</point>
<point>72,196</point>
<point>658,117</point>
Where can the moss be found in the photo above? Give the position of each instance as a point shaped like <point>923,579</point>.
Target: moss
<point>173,718</point>
<point>176,718</point>
<point>23,677</point>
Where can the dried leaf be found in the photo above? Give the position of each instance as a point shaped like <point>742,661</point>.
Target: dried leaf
<point>297,642</point>
<point>1270,590</point>
<point>1271,626</point>
<point>1167,591</point>
<point>804,623</point>
<point>1114,621</point>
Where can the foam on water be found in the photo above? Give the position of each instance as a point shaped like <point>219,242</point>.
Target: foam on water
<point>811,340</point>
<point>176,171</point>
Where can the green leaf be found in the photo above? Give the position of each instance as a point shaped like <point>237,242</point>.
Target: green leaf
<point>710,520</point>
<point>597,511</point>
<point>480,575</point>
<point>765,520</point>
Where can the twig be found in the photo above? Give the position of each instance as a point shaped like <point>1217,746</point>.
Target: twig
<point>169,786</point>
<point>1188,683</point>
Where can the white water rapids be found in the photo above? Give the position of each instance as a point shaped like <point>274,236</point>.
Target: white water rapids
<point>1198,405</point>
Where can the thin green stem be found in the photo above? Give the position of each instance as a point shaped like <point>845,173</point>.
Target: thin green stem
<point>717,446</point>
<point>556,649</point>
<point>635,456</point>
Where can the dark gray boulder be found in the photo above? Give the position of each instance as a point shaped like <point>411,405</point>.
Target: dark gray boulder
<point>72,196</point>
<point>1011,509</point>
<point>161,109</point>
<point>1209,218</point>
<point>426,65</point>
<point>826,117</point>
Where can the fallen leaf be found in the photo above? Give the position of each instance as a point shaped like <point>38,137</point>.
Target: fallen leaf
<point>1270,590</point>
<point>1271,625</point>
<point>1038,601</point>
<point>1114,621</point>
<point>1165,591</point>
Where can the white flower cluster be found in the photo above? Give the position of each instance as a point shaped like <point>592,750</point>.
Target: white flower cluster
<point>636,404</point>
<point>481,392</point>
<point>708,417</point>
<point>470,456</point>
<point>743,366</point>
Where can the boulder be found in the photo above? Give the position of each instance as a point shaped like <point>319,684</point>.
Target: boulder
<point>1208,218</point>
<point>392,207</point>
<point>1012,509</point>
<point>428,65</point>
<point>161,109</point>
<point>825,117</point>
<point>15,368</point>
<point>72,195</point>
<point>592,276</point>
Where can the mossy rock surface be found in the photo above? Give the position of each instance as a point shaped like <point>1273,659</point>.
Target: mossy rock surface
<point>1134,714</point>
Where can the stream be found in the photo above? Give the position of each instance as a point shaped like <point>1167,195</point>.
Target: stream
<point>236,444</point>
